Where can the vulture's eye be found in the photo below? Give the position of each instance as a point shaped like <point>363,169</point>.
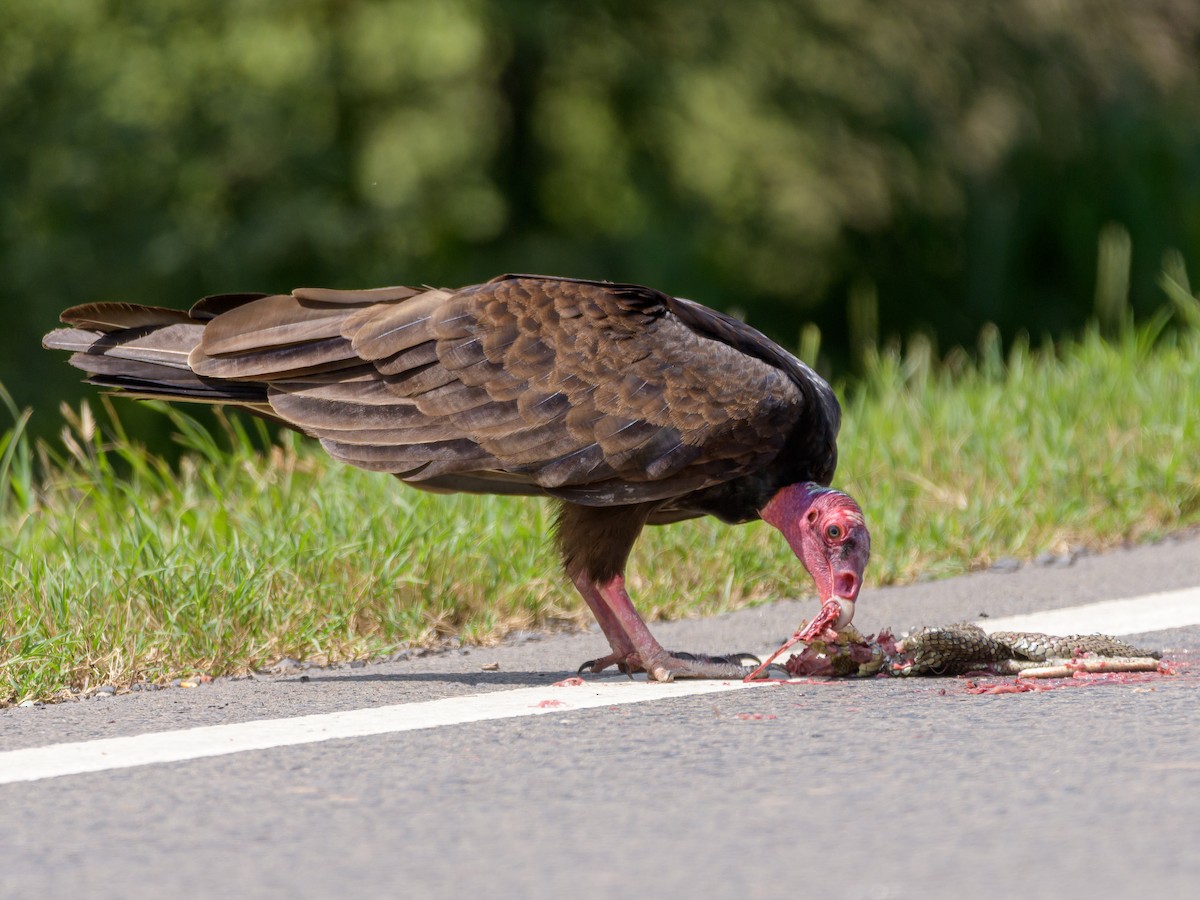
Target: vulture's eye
<point>833,532</point>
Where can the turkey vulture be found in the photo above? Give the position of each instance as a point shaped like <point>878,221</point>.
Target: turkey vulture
<point>628,406</point>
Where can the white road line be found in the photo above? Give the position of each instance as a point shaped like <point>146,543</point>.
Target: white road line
<point>1135,615</point>
<point>57,760</point>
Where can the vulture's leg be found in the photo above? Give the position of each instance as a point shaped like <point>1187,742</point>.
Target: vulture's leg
<point>623,655</point>
<point>595,544</point>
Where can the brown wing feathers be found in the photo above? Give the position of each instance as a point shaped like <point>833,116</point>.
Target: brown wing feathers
<point>597,393</point>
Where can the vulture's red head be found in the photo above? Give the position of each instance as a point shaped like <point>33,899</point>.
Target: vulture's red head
<point>826,530</point>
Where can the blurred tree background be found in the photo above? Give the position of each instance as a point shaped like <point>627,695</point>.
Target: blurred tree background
<point>956,160</point>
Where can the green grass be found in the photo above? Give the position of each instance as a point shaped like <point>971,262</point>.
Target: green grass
<point>118,567</point>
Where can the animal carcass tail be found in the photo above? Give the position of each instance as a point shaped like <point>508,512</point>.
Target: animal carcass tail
<point>143,351</point>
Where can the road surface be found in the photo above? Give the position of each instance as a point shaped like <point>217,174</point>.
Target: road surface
<point>468,782</point>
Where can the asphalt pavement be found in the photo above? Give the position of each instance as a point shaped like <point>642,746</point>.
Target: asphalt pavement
<point>856,788</point>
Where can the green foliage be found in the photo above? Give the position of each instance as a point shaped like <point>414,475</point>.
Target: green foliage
<point>122,566</point>
<point>956,160</point>
<point>16,460</point>
<point>1094,443</point>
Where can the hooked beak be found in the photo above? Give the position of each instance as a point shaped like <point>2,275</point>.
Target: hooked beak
<point>845,592</point>
<point>846,614</point>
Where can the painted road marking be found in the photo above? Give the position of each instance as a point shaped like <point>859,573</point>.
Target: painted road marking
<point>1136,615</point>
<point>1152,612</point>
<point>217,740</point>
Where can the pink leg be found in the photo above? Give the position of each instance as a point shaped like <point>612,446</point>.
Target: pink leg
<point>634,647</point>
<point>617,639</point>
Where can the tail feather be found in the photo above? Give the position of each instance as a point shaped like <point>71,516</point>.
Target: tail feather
<point>214,304</point>
<point>167,345</point>
<point>228,348</point>
<point>75,340</point>
<point>108,317</point>
<point>167,382</point>
<point>143,351</point>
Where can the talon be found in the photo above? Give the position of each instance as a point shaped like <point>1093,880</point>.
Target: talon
<point>626,664</point>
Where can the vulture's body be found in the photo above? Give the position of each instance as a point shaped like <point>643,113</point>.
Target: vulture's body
<point>628,405</point>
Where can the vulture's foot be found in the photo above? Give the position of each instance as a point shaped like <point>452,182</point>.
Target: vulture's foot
<point>670,665</point>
